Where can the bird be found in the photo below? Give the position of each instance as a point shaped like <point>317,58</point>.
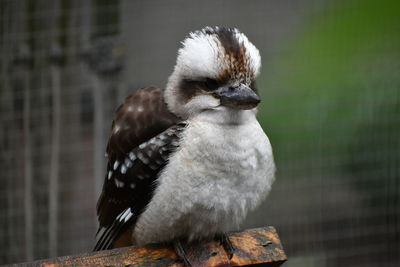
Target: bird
<point>188,162</point>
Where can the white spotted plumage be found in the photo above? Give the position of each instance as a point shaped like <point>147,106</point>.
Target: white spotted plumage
<point>128,163</point>
<point>119,183</point>
<point>116,164</point>
<point>132,156</point>
<point>123,169</point>
<point>125,215</point>
<point>143,158</point>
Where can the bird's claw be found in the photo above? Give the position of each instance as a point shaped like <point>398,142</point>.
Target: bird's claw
<point>180,251</point>
<point>227,244</point>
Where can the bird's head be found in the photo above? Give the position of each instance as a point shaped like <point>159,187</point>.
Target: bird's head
<point>215,70</point>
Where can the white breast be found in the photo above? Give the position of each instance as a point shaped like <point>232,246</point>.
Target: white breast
<point>220,172</point>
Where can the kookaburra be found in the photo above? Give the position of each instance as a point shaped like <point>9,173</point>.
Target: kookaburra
<point>188,162</point>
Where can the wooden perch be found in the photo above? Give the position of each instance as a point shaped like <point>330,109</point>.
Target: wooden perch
<point>254,247</point>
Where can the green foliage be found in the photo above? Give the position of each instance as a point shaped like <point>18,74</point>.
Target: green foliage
<point>331,81</point>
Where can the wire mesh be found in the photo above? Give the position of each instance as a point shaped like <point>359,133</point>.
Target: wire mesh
<point>330,89</point>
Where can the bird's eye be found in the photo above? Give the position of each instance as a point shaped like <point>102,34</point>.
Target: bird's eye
<point>211,84</point>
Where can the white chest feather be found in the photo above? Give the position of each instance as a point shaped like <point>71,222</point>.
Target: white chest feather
<point>220,172</point>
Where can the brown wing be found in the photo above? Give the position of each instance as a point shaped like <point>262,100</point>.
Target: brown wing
<point>142,116</point>
<point>144,134</point>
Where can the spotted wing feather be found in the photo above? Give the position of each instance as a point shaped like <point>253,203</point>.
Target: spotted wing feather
<point>138,150</point>
<point>142,116</point>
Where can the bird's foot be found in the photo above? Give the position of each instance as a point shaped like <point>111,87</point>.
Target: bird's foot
<point>227,244</point>
<point>180,251</point>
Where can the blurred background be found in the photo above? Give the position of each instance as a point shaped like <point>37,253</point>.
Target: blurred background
<point>331,106</point>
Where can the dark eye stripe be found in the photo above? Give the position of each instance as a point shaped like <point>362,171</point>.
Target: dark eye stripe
<point>211,84</point>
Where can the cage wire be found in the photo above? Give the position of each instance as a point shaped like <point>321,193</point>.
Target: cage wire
<point>330,88</point>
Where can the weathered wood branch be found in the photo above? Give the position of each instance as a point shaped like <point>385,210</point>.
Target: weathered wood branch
<point>254,247</point>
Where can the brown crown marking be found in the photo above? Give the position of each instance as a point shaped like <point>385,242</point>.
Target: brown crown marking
<point>235,55</point>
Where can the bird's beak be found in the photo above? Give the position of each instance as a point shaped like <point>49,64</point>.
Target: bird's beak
<point>241,97</point>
